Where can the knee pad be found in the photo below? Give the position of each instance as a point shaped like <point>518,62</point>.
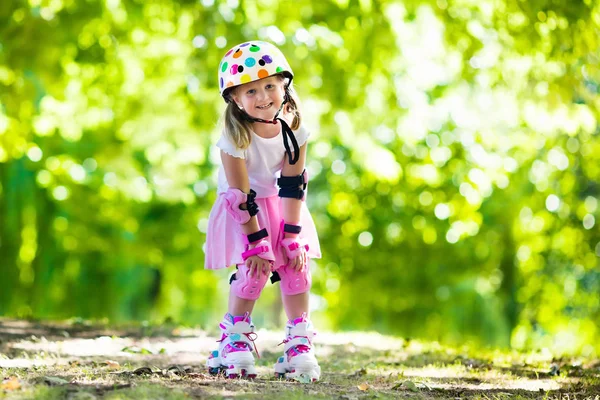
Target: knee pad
<point>295,282</point>
<point>245,286</point>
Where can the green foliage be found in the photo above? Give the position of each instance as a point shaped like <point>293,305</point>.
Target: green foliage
<point>454,161</point>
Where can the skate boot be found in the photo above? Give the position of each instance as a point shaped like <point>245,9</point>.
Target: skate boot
<point>234,357</point>
<point>298,361</point>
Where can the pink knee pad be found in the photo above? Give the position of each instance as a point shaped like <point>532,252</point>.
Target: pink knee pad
<point>294,282</point>
<point>245,286</point>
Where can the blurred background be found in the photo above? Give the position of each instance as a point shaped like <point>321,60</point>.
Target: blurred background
<point>454,162</point>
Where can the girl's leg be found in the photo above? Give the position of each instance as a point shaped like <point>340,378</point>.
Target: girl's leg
<point>295,305</point>
<point>239,306</point>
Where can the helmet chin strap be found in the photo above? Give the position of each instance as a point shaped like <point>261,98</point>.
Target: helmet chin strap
<point>288,135</point>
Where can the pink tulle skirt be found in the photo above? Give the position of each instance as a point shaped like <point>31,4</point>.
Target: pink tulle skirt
<point>224,240</point>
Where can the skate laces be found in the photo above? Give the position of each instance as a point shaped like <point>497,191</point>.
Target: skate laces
<point>238,345</point>
<point>299,348</point>
<point>252,337</point>
<point>243,345</point>
<point>289,338</point>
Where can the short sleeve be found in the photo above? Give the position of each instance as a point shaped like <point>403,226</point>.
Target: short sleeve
<point>225,144</point>
<point>302,135</point>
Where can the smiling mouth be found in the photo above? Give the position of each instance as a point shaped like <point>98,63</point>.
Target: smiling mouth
<point>265,106</point>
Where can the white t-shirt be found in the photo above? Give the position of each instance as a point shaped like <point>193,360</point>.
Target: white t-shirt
<point>264,160</point>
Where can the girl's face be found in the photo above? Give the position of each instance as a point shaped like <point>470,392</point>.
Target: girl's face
<point>262,98</point>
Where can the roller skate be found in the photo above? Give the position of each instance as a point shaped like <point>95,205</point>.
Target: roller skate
<point>234,357</point>
<point>298,361</point>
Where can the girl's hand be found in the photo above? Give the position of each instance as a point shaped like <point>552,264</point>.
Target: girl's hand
<point>258,266</point>
<point>298,262</point>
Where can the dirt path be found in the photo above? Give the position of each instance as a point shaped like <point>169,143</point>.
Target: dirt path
<point>77,361</point>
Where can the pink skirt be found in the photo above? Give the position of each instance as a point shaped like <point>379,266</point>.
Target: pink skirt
<point>224,240</point>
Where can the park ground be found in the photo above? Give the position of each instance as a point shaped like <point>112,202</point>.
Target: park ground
<point>79,360</point>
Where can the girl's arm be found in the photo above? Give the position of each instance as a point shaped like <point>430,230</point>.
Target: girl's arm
<point>292,207</point>
<point>237,177</point>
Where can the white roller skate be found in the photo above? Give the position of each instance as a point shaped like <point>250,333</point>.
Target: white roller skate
<point>234,357</point>
<point>298,361</point>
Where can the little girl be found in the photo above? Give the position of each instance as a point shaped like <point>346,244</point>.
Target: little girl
<point>259,222</point>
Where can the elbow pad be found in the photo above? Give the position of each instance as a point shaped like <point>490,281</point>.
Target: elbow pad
<point>234,198</point>
<point>293,187</point>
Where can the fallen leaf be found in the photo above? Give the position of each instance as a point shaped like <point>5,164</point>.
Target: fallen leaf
<point>128,349</point>
<point>112,364</point>
<point>410,385</point>
<point>54,380</point>
<point>143,371</point>
<point>136,350</point>
<point>304,378</point>
<point>360,372</point>
<point>363,386</point>
<point>11,383</point>
<point>180,369</point>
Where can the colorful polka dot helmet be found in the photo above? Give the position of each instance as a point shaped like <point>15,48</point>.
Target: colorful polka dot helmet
<point>251,61</point>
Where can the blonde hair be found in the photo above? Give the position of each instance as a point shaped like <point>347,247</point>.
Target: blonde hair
<point>238,128</point>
